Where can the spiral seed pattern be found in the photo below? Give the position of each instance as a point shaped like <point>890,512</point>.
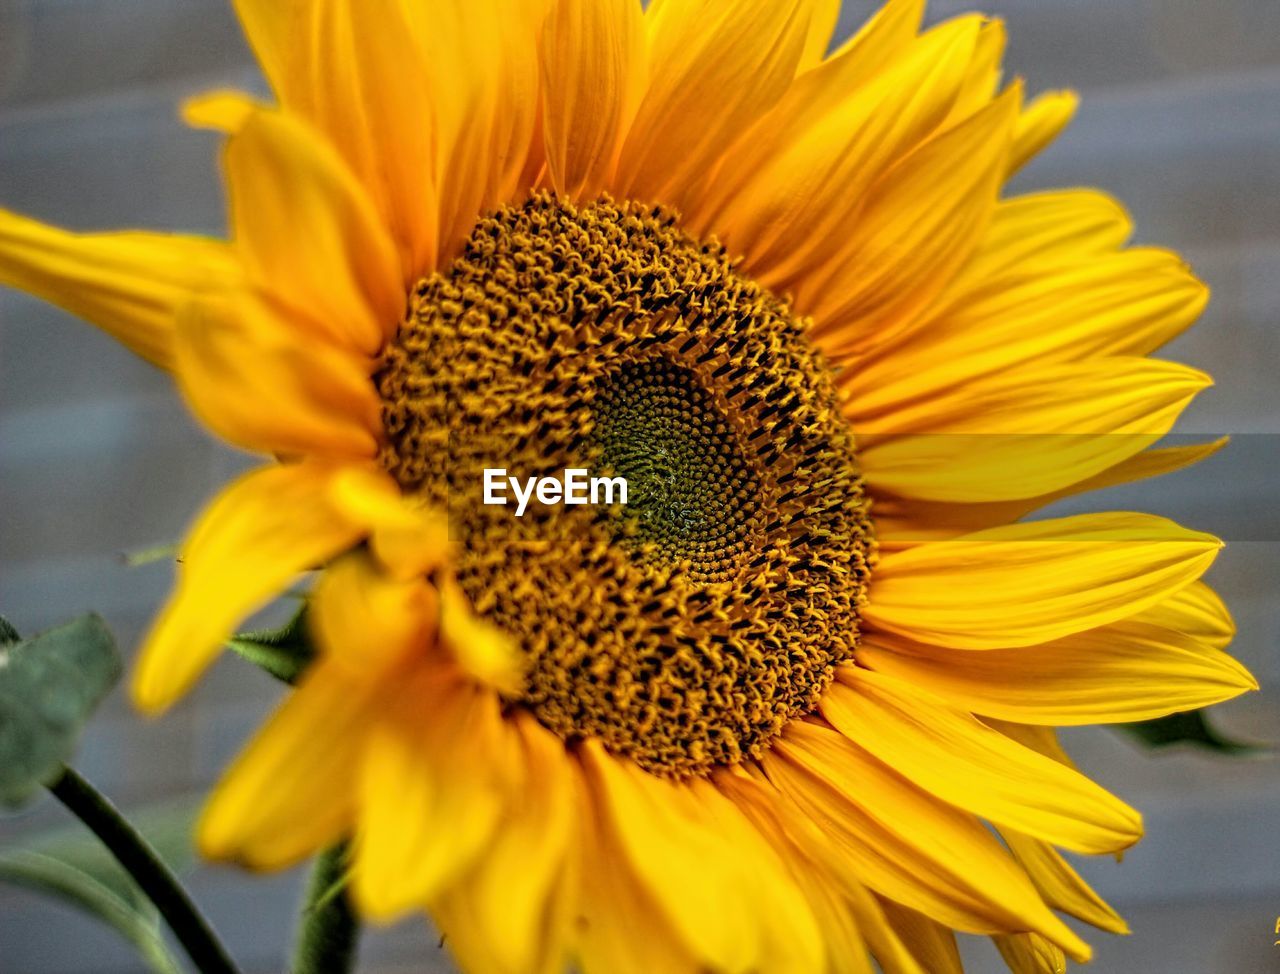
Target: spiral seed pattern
<point>686,628</point>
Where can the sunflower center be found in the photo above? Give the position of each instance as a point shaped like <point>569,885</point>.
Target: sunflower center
<point>685,628</point>
<point>693,494</point>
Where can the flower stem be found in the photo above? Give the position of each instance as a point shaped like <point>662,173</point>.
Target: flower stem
<point>140,861</point>
<point>329,932</point>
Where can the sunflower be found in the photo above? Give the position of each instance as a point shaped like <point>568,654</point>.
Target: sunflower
<point>790,707</point>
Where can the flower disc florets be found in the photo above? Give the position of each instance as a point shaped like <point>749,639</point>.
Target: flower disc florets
<point>686,627</point>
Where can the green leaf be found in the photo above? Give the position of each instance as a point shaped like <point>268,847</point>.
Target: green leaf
<point>71,865</point>
<point>167,826</point>
<point>139,925</point>
<point>285,653</point>
<point>49,686</point>
<point>1191,728</point>
<point>7,633</point>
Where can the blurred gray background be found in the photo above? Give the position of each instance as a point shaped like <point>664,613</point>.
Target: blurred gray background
<point>1181,119</point>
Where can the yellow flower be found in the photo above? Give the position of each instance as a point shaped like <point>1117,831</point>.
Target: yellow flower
<point>756,718</point>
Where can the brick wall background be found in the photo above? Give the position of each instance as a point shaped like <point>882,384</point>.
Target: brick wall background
<point>1181,119</point>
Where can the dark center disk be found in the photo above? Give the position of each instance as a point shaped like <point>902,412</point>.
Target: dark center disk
<point>693,496</point>
<point>686,627</point>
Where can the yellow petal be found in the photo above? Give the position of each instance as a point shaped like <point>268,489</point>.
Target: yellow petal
<point>789,191</point>
<point>275,30</point>
<point>956,757</point>
<point>881,37</point>
<point>1196,612</point>
<point>1150,463</point>
<point>222,110</point>
<point>1042,740</point>
<point>307,232</point>
<point>359,87</point>
<point>883,43</point>
<point>1029,953</point>
<point>848,915</point>
<point>1027,434</point>
<point>508,916</point>
<point>1122,672</point>
<point>790,938</point>
<point>887,946</point>
<point>1029,583</point>
<point>290,794</point>
<point>714,68</point>
<point>903,844</point>
<point>437,774</point>
<point>675,855</point>
<point>368,622</point>
<point>1060,885</point>
<point>1128,303</point>
<point>482,650</point>
<point>933,945</point>
<point>131,285</point>
<point>1029,233</point>
<point>876,46</point>
<point>822,24</point>
<point>847,951</point>
<point>246,547</point>
<point>481,64</point>
<point>619,928</point>
<point>1030,238</point>
<point>264,380</point>
<point>371,94</point>
<point>593,60</point>
<point>1041,123</point>
<point>1136,395</point>
<point>719,884</point>
<point>908,520</point>
<point>925,218</point>
<point>982,79</point>
<point>408,539</point>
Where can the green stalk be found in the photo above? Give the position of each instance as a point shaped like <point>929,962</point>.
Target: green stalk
<point>140,861</point>
<point>329,931</point>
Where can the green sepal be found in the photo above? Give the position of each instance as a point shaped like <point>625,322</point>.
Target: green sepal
<point>1191,728</point>
<point>49,687</point>
<point>285,652</point>
<point>71,865</point>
